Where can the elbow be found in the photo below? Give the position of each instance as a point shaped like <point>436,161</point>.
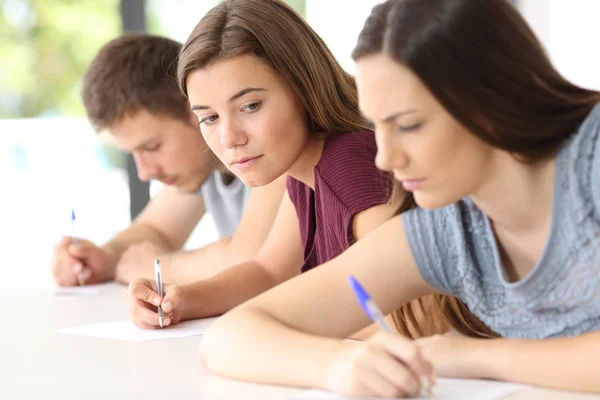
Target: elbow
<point>216,347</point>
<point>209,350</point>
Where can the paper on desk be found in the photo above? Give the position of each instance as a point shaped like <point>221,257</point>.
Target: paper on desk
<point>87,290</point>
<point>126,330</point>
<point>445,389</point>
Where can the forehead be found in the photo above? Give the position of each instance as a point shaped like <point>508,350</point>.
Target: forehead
<point>229,74</point>
<point>386,86</point>
<point>139,127</point>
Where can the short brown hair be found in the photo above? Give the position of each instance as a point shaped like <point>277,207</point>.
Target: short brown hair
<point>272,31</point>
<point>131,73</point>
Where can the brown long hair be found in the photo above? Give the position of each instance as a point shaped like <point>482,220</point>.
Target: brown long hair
<point>274,32</point>
<point>484,64</point>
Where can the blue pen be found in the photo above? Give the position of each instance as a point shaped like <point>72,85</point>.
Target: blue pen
<point>375,315</point>
<point>76,241</point>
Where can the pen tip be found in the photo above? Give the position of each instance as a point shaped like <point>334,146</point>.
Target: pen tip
<point>160,321</point>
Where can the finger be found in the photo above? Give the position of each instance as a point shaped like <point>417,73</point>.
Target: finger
<point>408,352</point>
<point>63,243</point>
<point>140,289</point>
<point>378,386</point>
<point>394,371</point>
<point>140,313</point>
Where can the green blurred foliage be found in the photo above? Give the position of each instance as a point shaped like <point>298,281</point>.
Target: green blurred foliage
<point>46,46</point>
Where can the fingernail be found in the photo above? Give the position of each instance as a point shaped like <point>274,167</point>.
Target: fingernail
<point>167,306</point>
<point>77,268</point>
<point>156,301</point>
<point>87,274</point>
<point>167,321</point>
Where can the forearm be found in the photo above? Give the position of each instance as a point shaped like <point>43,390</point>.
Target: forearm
<point>252,346</point>
<point>226,290</point>
<point>194,265</point>
<point>566,363</point>
<point>135,233</point>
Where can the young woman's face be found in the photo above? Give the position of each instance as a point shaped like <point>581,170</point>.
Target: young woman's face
<point>430,152</point>
<point>250,118</point>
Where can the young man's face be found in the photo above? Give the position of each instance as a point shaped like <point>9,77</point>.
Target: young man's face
<point>165,149</point>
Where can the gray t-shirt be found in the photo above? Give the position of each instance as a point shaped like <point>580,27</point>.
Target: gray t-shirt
<point>226,203</point>
<point>456,252</point>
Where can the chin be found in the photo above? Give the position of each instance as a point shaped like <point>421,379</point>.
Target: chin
<point>253,180</point>
<point>429,202</point>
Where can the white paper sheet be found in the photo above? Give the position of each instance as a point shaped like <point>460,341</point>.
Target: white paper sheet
<point>446,389</point>
<point>126,330</point>
<point>88,290</point>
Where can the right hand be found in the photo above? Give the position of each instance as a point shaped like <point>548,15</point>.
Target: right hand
<point>143,300</point>
<point>69,259</point>
<point>386,365</point>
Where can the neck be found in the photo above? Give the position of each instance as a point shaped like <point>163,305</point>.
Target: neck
<point>303,168</point>
<point>517,197</point>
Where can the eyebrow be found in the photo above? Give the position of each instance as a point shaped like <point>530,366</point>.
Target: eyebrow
<point>236,96</point>
<point>393,116</point>
<point>144,144</point>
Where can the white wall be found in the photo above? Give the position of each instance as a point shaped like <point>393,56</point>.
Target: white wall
<point>569,29</point>
<point>339,22</point>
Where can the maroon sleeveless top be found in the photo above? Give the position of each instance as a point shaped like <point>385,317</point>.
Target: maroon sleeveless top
<point>346,183</point>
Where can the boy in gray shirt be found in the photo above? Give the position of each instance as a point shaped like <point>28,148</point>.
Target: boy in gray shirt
<point>129,90</point>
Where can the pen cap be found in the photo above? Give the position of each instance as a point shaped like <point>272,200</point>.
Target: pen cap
<point>361,294</point>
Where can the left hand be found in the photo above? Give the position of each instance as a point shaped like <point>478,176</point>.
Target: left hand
<point>138,261</point>
<point>452,355</point>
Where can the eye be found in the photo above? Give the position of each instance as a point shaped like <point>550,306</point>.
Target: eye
<point>409,128</point>
<point>211,119</point>
<point>252,107</point>
<point>152,148</point>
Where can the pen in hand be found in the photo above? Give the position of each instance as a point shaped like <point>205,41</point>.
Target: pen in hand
<point>159,288</point>
<point>80,279</point>
<point>375,314</point>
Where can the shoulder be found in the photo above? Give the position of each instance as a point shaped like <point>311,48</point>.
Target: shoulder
<point>347,167</point>
<point>580,157</point>
<point>442,241</point>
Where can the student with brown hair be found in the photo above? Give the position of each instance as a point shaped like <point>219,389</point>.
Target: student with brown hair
<point>502,156</point>
<point>272,102</point>
<point>130,90</point>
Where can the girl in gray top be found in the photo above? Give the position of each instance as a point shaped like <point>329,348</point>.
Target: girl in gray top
<point>501,155</point>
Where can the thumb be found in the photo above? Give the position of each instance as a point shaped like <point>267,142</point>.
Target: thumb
<point>81,249</point>
<point>173,296</point>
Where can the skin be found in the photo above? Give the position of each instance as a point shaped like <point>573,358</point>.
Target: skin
<point>246,110</point>
<point>174,152</point>
<point>413,134</point>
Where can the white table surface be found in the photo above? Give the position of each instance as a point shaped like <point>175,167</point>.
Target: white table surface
<point>38,363</point>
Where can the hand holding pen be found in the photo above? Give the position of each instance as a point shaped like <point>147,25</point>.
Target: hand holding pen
<point>152,304</point>
<point>385,365</point>
<point>78,267</point>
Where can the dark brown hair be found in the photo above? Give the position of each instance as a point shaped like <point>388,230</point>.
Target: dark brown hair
<point>486,67</point>
<point>131,73</point>
<point>272,31</point>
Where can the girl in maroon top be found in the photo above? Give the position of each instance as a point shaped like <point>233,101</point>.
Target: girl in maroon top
<point>273,103</point>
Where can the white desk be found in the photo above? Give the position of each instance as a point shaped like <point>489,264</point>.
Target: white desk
<point>36,362</point>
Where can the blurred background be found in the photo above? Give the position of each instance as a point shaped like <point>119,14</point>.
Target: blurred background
<point>50,159</point>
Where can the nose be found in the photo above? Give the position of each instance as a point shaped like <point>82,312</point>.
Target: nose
<point>232,136</point>
<point>388,156</point>
<point>146,169</point>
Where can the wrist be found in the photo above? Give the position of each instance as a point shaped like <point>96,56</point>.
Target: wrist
<point>333,364</point>
<point>477,357</point>
<point>112,257</point>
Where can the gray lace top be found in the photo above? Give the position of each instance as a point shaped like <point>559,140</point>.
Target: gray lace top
<point>456,252</point>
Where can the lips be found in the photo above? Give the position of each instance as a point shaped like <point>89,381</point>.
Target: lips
<point>245,160</point>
